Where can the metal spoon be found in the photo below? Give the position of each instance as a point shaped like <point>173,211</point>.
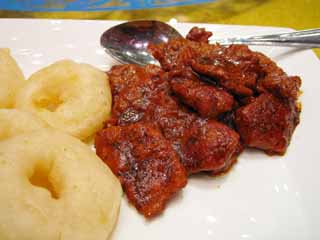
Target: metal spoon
<point>127,42</point>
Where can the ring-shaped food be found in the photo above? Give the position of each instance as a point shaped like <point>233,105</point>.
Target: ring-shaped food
<point>72,97</point>
<point>53,187</point>
<point>11,79</point>
<point>15,122</point>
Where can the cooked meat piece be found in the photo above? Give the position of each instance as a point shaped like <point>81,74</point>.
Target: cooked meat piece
<point>145,163</point>
<point>232,161</point>
<point>176,53</point>
<point>199,35</point>
<point>209,146</point>
<point>203,145</point>
<point>207,100</point>
<point>172,118</point>
<point>280,85</point>
<point>267,123</point>
<point>153,103</point>
<point>236,67</point>
<point>169,122</point>
<point>276,81</point>
<point>131,87</point>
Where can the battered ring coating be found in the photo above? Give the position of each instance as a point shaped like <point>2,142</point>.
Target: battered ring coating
<point>53,187</point>
<point>14,122</point>
<point>72,97</point>
<point>11,79</point>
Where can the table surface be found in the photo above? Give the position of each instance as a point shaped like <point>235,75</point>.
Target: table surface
<point>297,14</point>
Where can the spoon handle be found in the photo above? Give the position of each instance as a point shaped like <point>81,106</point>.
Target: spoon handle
<point>302,39</point>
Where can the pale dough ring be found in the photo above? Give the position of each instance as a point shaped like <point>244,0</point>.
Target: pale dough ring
<point>53,187</point>
<point>15,122</point>
<point>11,79</point>
<point>72,97</point>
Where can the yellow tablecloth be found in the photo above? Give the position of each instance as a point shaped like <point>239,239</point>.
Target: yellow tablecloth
<point>297,14</point>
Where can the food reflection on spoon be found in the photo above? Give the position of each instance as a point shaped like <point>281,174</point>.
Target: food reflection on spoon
<point>128,42</point>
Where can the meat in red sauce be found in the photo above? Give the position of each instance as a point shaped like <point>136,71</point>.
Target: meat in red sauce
<point>168,123</point>
<point>276,81</point>
<point>206,99</point>
<point>236,68</point>
<point>209,146</point>
<point>172,118</point>
<point>165,110</point>
<point>132,86</point>
<point>179,127</point>
<point>175,54</point>
<point>199,35</point>
<point>267,123</point>
<point>145,163</point>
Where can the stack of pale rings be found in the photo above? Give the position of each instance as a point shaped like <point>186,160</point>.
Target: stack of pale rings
<point>52,185</point>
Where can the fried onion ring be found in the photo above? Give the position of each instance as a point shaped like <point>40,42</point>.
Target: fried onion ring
<point>11,79</point>
<point>74,98</point>
<point>53,187</point>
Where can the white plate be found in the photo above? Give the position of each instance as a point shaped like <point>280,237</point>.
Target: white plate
<point>260,198</point>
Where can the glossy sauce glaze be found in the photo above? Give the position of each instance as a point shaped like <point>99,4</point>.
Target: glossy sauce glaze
<point>168,123</point>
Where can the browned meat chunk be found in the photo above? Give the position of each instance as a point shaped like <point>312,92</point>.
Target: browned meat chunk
<point>173,119</point>
<point>209,146</point>
<point>276,81</point>
<point>169,122</point>
<point>146,164</point>
<point>280,85</point>
<point>199,35</point>
<point>176,53</point>
<point>235,68</point>
<point>132,86</point>
<point>267,123</point>
<point>199,143</point>
<point>207,100</point>
<point>153,103</point>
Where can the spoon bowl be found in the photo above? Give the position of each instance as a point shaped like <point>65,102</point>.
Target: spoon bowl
<point>128,42</point>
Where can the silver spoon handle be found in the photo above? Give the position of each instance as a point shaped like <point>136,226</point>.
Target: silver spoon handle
<point>304,39</point>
